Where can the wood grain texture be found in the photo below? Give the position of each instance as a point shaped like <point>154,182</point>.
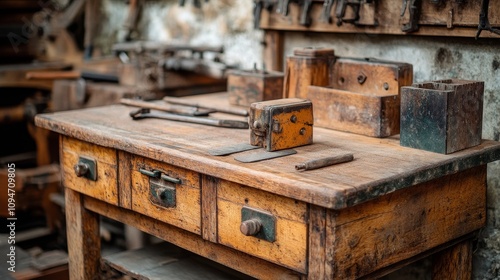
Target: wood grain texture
<point>187,212</point>
<point>317,243</point>
<point>433,20</point>
<point>382,77</point>
<point>242,262</point>
<point>380,166</point>
<point>124,180</point>
<point>105,188</point>
<point>209,187</point>
<point>290,247</point>
<point>273,45</point>
<point>400,225</point>
<point>370,115</point>
<point>302,71</point>
<point>247,87</point>
<point>84,243</point>
<point>442,116</point>
<point>454,262</point>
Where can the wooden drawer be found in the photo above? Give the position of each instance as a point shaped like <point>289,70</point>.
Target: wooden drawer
<point>100,181</point>
<point>287,246</point>
<point>172,195</point>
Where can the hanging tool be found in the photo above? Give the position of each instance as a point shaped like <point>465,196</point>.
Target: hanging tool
<point>484,22</point>
<point>323,162</point>
<point>181,110</point>
<point>305,17</point>
<point>144,113</point>
<point>258,6</point>
<point>414,10</point>
<point>326,14</point>
<point>180,101</point>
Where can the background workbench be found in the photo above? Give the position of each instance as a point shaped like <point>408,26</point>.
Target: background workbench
<point>390,206</point>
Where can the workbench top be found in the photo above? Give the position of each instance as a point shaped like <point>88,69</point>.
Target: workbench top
<point>380,165</point>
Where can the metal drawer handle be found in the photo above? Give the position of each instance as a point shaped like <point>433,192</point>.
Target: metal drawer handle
<point>154,173</point>
<point>250,227</point>
<point>170,179</point>
<point>159,174</point>
<point>81,169</point>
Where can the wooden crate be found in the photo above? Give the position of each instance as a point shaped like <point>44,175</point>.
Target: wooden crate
<point>247,87</point>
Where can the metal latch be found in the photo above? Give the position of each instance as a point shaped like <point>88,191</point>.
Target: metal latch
<point>162,190</point>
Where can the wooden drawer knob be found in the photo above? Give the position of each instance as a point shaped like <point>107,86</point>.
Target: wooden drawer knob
<point>250,227</point>
<point>81,169</point>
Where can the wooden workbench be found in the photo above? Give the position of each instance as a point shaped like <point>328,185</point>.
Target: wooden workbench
<point>389,207</point>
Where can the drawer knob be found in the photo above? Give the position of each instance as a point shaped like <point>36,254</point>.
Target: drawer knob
<point>81,169</point>
<point>250,227</point>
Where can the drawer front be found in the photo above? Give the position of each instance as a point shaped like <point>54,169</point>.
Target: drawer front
<point>262,224</point>
<point>166,193</point>
<point>96,167</point>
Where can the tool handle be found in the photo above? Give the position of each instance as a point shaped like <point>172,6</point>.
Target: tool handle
<point>232,111</point>
<point>52,75</point>
<point>318,163</point>
<point>166,107</point>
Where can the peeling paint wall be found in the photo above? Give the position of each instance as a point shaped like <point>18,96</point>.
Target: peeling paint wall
<point>230,23</point>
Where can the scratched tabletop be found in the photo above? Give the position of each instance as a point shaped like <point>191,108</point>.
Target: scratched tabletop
<point>380,165</point>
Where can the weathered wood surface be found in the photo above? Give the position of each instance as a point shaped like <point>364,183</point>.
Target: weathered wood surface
<point>290,247</point>
<point>164,260</point>
<point>462,19</point>
<point>381,77</point>
<point>124,179</point>
<point>381,166</point>
<point>400,225</point>
<point>273,45</point>
<point>186,214</point>
<point>306,67</point>
<point>246,87</point>
<point>239,261</point>
<point>106,185</point>
<point>454,263</point>
<point>370,115</point>
<point>84,243</point>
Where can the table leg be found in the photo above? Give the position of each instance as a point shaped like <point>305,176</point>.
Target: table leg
<point>84,243</point>
<point>454,262</point>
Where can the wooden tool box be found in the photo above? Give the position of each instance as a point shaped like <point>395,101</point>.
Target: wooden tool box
<point>362,96</point>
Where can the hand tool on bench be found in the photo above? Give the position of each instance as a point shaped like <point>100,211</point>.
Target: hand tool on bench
<point>144,113</point>
<point>180,110</point>
<point>323,162</point>
<point>180,101</point>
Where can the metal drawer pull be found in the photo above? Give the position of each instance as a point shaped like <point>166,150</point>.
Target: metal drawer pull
<point>81,169</point>
<point>86,167</point>
<point>250,227</point>
<point>170,179</point>
<point>159,174</point>
<point>154,173</point>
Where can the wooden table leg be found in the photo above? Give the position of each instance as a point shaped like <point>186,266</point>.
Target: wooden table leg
<point>454,262</point>
<point>84,244</point>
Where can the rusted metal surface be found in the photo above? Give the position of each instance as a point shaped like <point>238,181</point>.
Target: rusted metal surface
<point>442,116</point>
<point>281,124</point>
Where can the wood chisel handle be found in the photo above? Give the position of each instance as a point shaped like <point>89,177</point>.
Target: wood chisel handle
<point>232,111</point>
<point>182,110</point>
<point>318,163</point>
<point>52,75</point>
